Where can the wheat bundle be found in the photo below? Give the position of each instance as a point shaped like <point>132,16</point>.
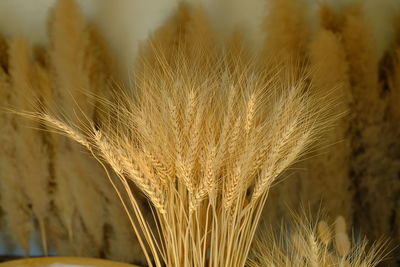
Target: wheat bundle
<point>203,141</point>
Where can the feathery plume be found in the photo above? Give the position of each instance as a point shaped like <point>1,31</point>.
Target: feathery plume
<point>31,152</point>
<point>368,124</point>
<point>329,165</point>
<point>286,28</point>
<point>15,203</point>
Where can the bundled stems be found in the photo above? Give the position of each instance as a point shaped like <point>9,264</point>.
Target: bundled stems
<point>203,136</point>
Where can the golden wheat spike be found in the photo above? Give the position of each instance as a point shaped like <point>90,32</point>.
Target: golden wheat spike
<point>287,31</point>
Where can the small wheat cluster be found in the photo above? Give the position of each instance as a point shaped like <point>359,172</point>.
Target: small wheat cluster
<point>307,245</point>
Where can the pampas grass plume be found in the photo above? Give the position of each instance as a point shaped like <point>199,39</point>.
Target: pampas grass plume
<point>31,150</point>
<point>286,29</point>
<point>17,214</point>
